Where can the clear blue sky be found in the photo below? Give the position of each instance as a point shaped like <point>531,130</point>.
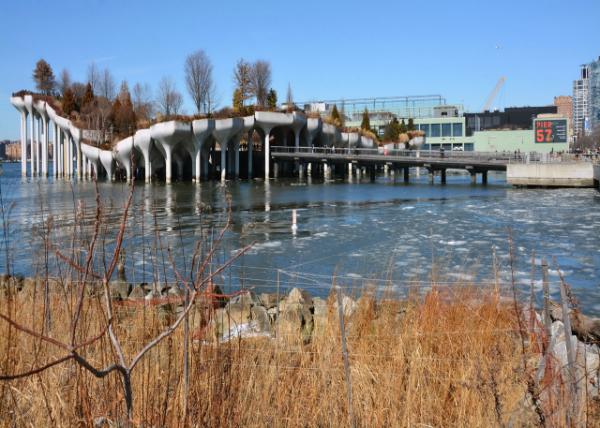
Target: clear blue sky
<point>325,49</point>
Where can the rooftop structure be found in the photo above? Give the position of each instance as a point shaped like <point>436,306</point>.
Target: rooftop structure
<point>380,108</point>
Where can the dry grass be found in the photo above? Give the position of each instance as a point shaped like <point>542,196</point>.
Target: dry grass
<point>446,360</point>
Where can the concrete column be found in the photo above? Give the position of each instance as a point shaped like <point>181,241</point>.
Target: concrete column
<point>297,140</point>
<point>45,147</point>
<point>431,176</point>
<point>484,177</point>
<point>31,144</point>
<point>168,171</point>
<point>37,143</point>
<point>60,158</point>
<point>198,164</point>
<point>325,170</point>
<point>276,169</point>
<point>301,170</point>
<point>70,155</point>
<point>473,177</point>
<point>223,161</point>
<point>267,153</point>
<point>386,169</point>
<point>309,169</point>
<point>54,146</point>
<point>406,174</point>
<point>250,149</point>
<point>443,172</point>
<point>78,155</point>
<point>24,143</point>
<point>349,169</point>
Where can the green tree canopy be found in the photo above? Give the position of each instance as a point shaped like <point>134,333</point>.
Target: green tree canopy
<point>411,124</point>
<point>403,129</point>
<point>43,76</point>
<point>392,131</point>
<point>366,122</point>
<point>272,99</point>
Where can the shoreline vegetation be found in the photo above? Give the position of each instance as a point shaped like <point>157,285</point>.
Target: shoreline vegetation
<point>88,348</point>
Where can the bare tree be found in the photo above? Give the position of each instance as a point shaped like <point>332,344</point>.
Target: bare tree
<point>142,101</point>
<point>242,77</point>
<point>65,81</point>
<point>107,86</point>
<point>198,78</point>
<point>93,76</point>
<point>168,99</point>
<point>261,81</point>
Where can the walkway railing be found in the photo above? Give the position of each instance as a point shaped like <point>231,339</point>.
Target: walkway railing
<point>505,156</point>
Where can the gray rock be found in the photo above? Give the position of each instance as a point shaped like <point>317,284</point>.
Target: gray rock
<point>269,300</point>
<point>261,321</point>
<point>120,289</point>
<point>348,306</point>
<point>137,292</point>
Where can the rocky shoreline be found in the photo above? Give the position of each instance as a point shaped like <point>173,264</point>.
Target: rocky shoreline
<point>296,315</point>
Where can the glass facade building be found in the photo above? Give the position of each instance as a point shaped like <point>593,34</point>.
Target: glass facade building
<point>593,95</point>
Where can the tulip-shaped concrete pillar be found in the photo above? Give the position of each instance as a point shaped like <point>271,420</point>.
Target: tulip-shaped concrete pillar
<point>77,136</point>
<point>54,145</point>
<point>143,142</point>
<point>267,120</point>
<point>19,104</point>
<point>42,150</point>
<point>168,135</point>
<point>299,122</point>
<point>225,130</point>
<point>249,129</point>
<point>29,107</point>
<point>202,130</point>
<point>124,152</point>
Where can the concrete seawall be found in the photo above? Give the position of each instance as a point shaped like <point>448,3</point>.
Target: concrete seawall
<point>597,175</point>
<point>576,174</point>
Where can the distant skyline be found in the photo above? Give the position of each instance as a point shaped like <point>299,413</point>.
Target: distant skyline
<point>324,50</point>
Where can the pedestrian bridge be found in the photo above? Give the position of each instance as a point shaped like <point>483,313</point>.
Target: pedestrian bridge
<point>372,159</point>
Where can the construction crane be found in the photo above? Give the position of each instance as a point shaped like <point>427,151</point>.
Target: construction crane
<point>494,93</point>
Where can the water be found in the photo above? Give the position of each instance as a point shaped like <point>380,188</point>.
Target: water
<point>358,231</point>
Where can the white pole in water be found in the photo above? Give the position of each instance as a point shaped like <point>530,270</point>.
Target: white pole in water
<point>294,221</point>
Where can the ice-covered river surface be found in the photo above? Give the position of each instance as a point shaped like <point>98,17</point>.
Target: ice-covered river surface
<point>384,233</point>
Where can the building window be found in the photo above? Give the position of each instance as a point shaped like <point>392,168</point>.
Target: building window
<point>469,147</point>
<point>446,130</point>
<point>424,128</point>
<point>457,130</point>
<point>435,130</point>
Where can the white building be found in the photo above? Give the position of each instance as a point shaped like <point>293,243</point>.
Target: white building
<point>580,101</point>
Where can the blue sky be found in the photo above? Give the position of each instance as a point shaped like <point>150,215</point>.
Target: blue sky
<point>324,49</point>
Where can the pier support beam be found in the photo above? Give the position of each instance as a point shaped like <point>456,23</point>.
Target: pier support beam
<point>484,177</point>
<point>473,177</point>
<point>267,153</point>
<point>431,176</point>
<point>406,174</point>
<point>250,148</point>
<point>23,143</point>
<point>443,176</point>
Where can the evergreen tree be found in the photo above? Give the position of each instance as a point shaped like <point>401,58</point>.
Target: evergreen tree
<point>114,116</point>
<point>402,129</point>
<point>272,99</point>
<point>68,102</point>
<point>392,131</point>
<point>43,76</point>
<point>366,122</point>
<point>238,100</point>
<point>411,124</point>
<point>335,115</point>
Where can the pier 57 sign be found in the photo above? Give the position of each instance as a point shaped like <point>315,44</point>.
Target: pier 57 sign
<point>550,130</point>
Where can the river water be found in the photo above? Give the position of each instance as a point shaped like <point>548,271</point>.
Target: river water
<point>383,233</point>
